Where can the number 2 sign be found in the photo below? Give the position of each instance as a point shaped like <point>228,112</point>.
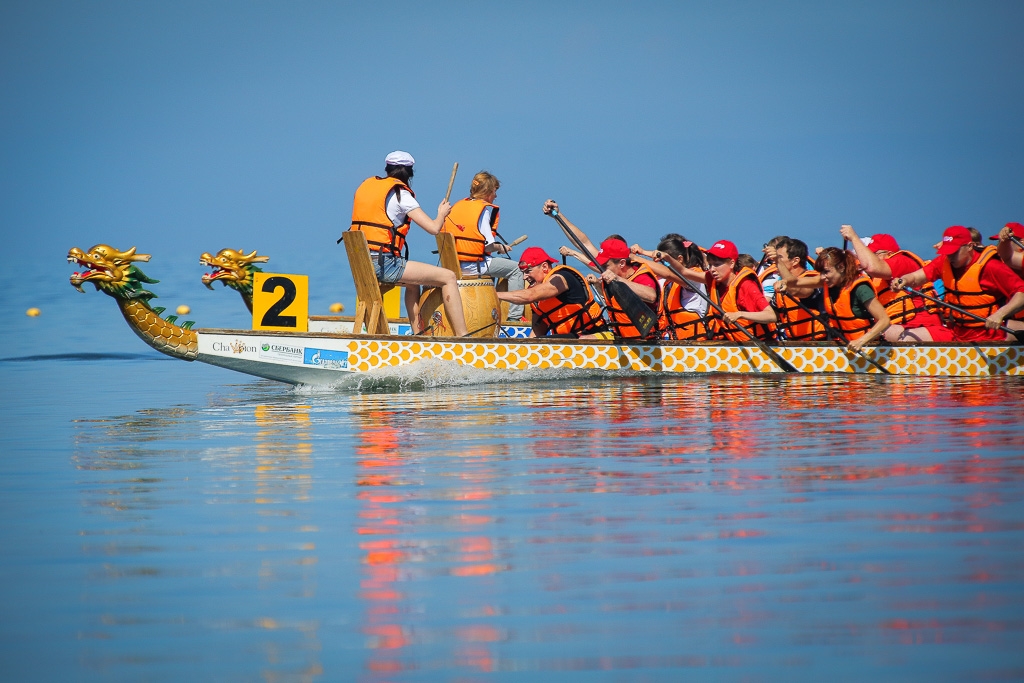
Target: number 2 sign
<point>280,302</point>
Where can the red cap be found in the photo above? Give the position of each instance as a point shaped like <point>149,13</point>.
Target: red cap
<point>1016,228</point>
<point>724,249</point>
<point>883,242</point>
<point>612,248</point>
<point>953,238</point>
<point>534,256</point>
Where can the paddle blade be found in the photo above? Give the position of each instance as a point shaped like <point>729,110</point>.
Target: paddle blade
<point>639,313</point>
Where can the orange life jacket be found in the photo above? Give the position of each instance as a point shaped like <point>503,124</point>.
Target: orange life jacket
<point>565,318</point>
<point>464,223</point>
<point>767,273</point>
<point>840,312</point>
<point>966,293</point>
<point>798,324</point>
<point>679,322</point>
<point>622,326</point>
<point>370,215</point>
<point>900,305</point>
<point>730,304</point>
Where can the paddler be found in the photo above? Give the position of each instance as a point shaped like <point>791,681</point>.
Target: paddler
<point>683,307</point>
<point>614,264</point>
<point>913,318</point>
<point>615,256</point>
<point>383,209</point>
<point>795,296</point>
<point>739,293</point>
<point>849,300</point>
<point>562,303</point>
<point>976,281</point>
<point>473,222</point>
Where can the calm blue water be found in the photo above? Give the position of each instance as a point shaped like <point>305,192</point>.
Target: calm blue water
<point>164,520</point>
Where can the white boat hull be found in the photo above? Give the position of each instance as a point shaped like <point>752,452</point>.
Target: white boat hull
<point>326,358</point>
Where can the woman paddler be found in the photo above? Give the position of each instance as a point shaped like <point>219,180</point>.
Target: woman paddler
<point>562,303</point>
<point>684,310</point>
<point>473,222</point>
<point>739,293</point>
<point>849,300</point>
<point>383,209</point>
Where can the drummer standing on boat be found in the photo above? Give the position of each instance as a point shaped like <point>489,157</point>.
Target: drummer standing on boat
<point>383,209</point>
<point>473,222</point>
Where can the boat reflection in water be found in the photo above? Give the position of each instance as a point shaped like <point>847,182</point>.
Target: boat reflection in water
<point>759,527</point>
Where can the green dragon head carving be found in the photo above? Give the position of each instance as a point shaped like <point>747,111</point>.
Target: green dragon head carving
<point>112,272</point>
<point>232,268</point>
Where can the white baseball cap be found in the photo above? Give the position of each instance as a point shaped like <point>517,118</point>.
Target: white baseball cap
<point>399,158</point>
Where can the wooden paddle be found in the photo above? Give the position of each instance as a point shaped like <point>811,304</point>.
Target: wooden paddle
<point>451,181</point>
<point>638,312</point>
<point>509,245</point>
<point>765,349</point>
<point>1019,334</point>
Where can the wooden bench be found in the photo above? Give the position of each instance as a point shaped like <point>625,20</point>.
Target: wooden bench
<point>369,292</point>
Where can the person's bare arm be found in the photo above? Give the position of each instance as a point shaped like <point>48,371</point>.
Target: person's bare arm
<point>915,279</point>
<point>568,251</point>
<point>882,322</point>
<point>551,287</point>
<point>766,316</point>
<point>431,225</point>
<point>551,205</point>
<point>647,294</point>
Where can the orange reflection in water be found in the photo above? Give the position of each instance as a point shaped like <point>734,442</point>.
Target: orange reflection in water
<point>393,551</point>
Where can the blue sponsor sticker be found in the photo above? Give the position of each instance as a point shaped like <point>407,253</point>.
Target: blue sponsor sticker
<point>325,358</point>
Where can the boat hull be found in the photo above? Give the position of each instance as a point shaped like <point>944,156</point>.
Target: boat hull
<point>325,358</point>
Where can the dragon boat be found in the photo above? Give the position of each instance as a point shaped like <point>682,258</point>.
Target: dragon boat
<point>331,349</point>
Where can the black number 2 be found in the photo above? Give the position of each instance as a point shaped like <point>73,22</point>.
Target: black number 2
<point>273,317</point>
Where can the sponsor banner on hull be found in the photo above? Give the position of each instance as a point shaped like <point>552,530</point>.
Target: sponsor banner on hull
<point>281,352</point>
<point>325,358</point>
<point>234,347</point>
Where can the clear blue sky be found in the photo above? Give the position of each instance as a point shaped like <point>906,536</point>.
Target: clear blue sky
<point>184,127</point>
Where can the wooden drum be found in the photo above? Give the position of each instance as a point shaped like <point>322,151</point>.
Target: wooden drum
<point>479,305</point>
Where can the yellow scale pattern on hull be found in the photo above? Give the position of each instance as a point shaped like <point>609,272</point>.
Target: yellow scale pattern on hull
<point>370,354</point>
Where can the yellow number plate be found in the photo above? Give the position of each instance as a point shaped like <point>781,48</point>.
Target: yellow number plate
<point>280,302</point>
